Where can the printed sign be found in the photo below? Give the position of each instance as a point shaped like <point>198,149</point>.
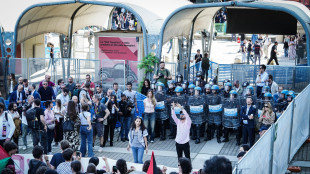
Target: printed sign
<point>231,112</point>
<point>215,108</point>
<point>196,109</point>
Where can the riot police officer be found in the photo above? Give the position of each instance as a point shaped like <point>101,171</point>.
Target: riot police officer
<point>214,114</point>
<point>207,89</point>
<point>197,108</point>
<point>265,89</point>
<point>231,117</point>
<point>191,89</point>
<point>281,103</point>
<point>171,87</point>
<point>185,86</point>
<point>290,97</point>
<point>181,99</point>
<point>244,85</point>
<point>179,80</point>
<point>199,80</point>
<point>227,89</point>
<point>249,93</point>
<point>170,94</point>
<point>161,109</point>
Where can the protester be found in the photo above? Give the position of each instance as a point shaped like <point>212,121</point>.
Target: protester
<point>125,117</point>
<point>59,112</point>
<point>240,155</point>
<point>185,166</point>
<point>46,92</point>
<point>244,148</point>
<point>50,119</point>
<point>149,114</point>
<point>48,80</point>
<point>8,126</point>
<point>37,162</point>
<point>117,91</point>
<point>12,112</point>
<point>146,86</point>
<point>216,165</point>
<point>95,161</point>
<point>70,85</point>
<point>183,128</point>
<point>73,136</point>
<point>65,167</point>
<point>86,131</point>
<point>111,120</point>
<point>76,167</point>
<point>11,148</point>
<point>58,157</point>
<point>138,140</point>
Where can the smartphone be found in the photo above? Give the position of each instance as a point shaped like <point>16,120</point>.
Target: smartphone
<point>114,169</point>
<point>78,153</point>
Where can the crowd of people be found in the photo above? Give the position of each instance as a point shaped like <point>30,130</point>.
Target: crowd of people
<point>83,111</point>
<point>257,47</point>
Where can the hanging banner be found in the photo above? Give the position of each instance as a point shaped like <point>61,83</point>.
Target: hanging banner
<point>118,48</point>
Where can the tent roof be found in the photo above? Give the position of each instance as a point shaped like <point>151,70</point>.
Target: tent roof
<point>180,21</point>
<point>55,15</point>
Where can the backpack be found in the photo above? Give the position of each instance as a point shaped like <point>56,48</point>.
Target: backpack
<point>76,92</point>
<point>31,114</point>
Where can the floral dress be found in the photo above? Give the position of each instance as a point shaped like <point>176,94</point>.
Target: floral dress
<point>74,136</point>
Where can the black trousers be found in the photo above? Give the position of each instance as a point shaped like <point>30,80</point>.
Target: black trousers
<point>109,129</point>
<point>183,148</point>
<point>259,90</point>
<point>248,133</point>
<point>273,58</point>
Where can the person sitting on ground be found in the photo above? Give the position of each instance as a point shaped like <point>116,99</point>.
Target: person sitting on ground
<point>146,165</point>
<point>244,148</point>
<point>65,167</point>
<point>185,166</point>
<point>76,167</point>
<point>37,162</point>
<point>58,157</point>
<point>240,155</point>
<point>11,149</point>
<point>42,170</point>
<point>95,161</point>
<point>121,166</point>
<point>91,169</point>
<point>216,165</point>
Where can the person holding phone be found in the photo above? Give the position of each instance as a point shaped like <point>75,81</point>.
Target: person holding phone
<point>267,119</point>
<point>247,114</point>
<point>86,131</point>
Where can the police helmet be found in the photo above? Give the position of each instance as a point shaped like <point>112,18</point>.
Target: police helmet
<point>179,78</point>
<point>266,89</point>
<point>245,84</point>
<point>178,89</point>
<point>233,92</point>
<point>225,81</point>
<point>191,86</point>
<point>211,82</point>
<point>268,94</point>
<point>228,84</point>
<point>207,86</point>
<point>285,92</point>
<point>216,88</point>
<point>160,84</point>
<point>251,89</point>
<point>197,88</point>
<point>291,93</point>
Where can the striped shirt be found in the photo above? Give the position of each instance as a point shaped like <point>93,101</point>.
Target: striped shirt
<point>183,128</point>
<point>64,168</point>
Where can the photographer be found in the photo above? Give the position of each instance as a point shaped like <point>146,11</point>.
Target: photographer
<point>111,121</point>
<point>162,75</point>
<point>12,112</point>
<point>124,116</point>
<point>101,115</point>
<point>7,125</point>
<point>131,98</point>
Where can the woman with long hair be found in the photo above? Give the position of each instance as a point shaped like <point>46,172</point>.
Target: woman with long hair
<point>86,131</point>
<point>267,118</point>
<point>292,48</point>
<point>11,83</point>
<point>50,119</point>
<point>137,140</point>
<point>73,136</point>
<point>149,113</point>
<point>112,118</point>
<point>59,112</point>
<point>146,86</point>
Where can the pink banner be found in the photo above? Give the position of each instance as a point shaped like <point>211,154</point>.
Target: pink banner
<point>118,48</point>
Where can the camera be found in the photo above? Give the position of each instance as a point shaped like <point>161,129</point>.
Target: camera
<point>130,104</point>
<point>160,75</point>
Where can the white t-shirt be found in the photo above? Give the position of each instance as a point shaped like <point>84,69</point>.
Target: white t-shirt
<point>131,94</point>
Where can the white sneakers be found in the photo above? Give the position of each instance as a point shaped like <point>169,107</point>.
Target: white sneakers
<point>100,149</point>
<point>24,148</point>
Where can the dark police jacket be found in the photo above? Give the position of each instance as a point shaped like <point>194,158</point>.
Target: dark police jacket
<point>244,116</point>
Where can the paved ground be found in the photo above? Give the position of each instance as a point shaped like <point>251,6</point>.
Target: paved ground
<point>165,151</point>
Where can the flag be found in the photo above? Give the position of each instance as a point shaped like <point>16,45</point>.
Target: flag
<point>4,158</point>
<point>153,167</point>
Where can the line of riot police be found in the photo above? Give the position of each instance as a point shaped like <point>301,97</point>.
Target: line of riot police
<point>212,110</point>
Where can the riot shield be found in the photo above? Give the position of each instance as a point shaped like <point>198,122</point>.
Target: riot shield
<point>161,106</point>
<point>196,107</point>
<point>231,117</point>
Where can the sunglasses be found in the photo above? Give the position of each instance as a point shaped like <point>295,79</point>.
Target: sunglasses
<point>266,106</point>
<point>45,84</point>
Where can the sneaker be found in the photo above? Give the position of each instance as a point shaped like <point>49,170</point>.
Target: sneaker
<point>152,141</point>
<point>24,148</point>
<point>100,149</point>
<point>50,153</point>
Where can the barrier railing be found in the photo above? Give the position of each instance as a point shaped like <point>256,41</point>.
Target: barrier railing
<point>212,72</point>
<point>273,152</point>
<point>290,77</point>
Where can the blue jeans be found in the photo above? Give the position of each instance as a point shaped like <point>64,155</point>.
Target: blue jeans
<point>86,134</point>
<point>24,134</point>
<point>138,154</point>
<point>286,52</point>
<point>125,122</point>
<point>133,113</point>
<point>149,122</point>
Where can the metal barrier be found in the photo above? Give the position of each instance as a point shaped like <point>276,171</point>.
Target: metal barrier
<point>273,152</point>
<point>290,77</point>
<point>212,72</point>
